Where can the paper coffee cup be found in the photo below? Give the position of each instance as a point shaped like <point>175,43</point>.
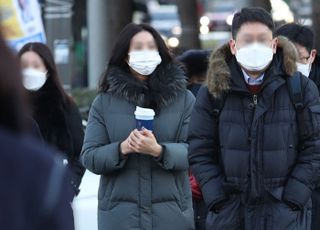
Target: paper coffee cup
<point>144,118</point>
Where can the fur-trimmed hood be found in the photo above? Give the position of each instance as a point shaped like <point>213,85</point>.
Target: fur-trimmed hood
<point>218,76</point>
<point>160,90</point>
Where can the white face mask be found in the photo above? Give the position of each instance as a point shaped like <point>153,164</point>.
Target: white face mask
<point>254,57</point>
<point>144,61</point>
<point>33,79</point>
<point>305,69</point>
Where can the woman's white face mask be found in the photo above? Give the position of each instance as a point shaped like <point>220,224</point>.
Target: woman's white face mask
<point>144,62</point>
<point>254,57</point>
<point>33,79</point>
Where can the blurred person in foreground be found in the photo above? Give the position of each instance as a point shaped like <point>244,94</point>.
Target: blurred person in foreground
<point>34,192</point>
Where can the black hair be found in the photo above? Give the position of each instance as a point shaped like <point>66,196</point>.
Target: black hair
<point>251,14</point>
<point>195,61</point>
<point>299,34</point>
<point>121,48</point>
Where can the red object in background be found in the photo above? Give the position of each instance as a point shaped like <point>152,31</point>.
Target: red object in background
<point>196,191</point>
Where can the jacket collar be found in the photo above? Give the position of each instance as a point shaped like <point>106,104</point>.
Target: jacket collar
<point>159,91</point>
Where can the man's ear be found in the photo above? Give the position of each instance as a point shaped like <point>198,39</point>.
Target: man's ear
<point>232,45</point>
<point>313,55</point>
<point>274,45</point>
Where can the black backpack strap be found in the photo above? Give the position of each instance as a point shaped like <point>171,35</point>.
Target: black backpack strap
<point>294,84</point>
<point>295,90</point>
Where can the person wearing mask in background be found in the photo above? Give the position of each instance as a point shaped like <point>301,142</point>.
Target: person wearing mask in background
<point>35,192</point>
<point>144,172</point>
<point>196,64</point>
<point>303,39</point>
<point>309,65</point>
<point>256,168</point>
<point>55,112</point>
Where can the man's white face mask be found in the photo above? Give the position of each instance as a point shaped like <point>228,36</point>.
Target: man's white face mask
<point>254,57</point>
<point>305,69</point>
<point>144,61</point>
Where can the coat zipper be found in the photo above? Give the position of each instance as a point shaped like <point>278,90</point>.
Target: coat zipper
<point>255,99</point>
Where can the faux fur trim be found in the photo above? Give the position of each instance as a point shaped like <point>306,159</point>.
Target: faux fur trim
<point>218,75</point>
<point>160,90</point>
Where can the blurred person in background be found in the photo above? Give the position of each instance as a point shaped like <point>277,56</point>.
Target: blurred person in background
<point>303,39</point>
<point>35,192</point>
<point>196,64</point>
<point>54,111</point>
<point>309,65</point>
<point>144,173</point>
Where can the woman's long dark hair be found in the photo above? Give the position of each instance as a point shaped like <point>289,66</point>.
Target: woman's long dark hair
<point>121,48</point>
<point>53,82</point>
<point>12,101</point>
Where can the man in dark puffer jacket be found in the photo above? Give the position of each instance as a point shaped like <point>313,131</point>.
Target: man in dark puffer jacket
<point>255,169</point>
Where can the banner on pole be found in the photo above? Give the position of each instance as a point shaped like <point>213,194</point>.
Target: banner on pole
<point>21,22</point>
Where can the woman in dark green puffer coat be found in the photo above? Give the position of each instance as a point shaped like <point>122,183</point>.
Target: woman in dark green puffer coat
<point>144,175</point>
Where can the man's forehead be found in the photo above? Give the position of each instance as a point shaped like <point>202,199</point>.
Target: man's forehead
<point>254,29</point>
<point>302,50</point>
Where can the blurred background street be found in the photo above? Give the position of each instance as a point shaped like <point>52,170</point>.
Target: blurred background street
<point>80,33</point>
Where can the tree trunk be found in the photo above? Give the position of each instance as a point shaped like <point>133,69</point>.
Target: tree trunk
<point>315,20</point>
<point>119,15</point>
<point>190,24</point>
<point>262,3</point>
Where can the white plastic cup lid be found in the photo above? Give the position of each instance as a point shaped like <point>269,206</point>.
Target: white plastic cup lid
<point>144,113</point>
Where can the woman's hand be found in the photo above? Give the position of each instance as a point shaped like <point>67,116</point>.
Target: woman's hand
<point>144,142</point>
<point>125,148</point>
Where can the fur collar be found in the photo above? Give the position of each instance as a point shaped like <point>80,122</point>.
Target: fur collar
<point>218,76</point>
<point>160,90</point>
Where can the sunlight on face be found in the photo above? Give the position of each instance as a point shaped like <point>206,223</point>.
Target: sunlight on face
<point>253,32</point>
<point>143,41</point>
<point>304,56</point>
<point>31,59</point>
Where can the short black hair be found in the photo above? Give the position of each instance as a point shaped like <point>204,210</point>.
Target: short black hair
<point>299,34</point>
<point>251,14</point>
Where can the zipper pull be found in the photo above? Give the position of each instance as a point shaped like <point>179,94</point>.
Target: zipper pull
<point>255,99</point>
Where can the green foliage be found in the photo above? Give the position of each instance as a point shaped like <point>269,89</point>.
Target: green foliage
<point>84,97</point>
